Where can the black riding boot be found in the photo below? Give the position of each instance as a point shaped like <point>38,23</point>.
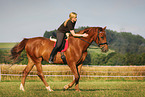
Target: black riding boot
<point>53,53</point>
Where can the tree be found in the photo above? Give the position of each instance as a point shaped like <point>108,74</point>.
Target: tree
<point>117,59</point>
<point>142,59</point>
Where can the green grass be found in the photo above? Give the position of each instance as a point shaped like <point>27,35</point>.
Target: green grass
<point>7,45</point>
<point>88,89</point>
<point>98,51</point>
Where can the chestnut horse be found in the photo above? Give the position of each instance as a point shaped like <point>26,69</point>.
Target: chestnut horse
<point>39,48</point>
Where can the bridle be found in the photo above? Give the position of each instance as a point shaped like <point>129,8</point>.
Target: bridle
<point>95,40</point>
<point>99,39</point>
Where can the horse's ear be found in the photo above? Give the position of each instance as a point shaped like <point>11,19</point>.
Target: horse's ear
<point>105,27</point>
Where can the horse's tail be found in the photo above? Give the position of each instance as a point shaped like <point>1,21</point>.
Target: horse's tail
<point>17,49</point>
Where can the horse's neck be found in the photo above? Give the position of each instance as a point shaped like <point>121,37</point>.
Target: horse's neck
<point>75,42</point>
<point>83,43</point>
<point>86,44</point>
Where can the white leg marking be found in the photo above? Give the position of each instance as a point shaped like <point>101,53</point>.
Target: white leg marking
<point>22,87</point>
<point>66,87</point>
<point>48,88</point>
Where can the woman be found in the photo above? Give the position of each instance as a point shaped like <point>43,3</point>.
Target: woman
<point>67,26</point>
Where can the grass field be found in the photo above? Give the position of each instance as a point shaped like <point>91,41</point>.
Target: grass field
<point>7,45</point>
<point>88,89</point>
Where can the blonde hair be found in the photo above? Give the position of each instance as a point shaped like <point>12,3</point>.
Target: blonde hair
<point>71,15</point>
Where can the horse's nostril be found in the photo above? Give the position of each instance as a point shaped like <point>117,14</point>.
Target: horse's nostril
<point>106,50</point>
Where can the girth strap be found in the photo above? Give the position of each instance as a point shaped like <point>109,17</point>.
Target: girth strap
<point>63,58</point>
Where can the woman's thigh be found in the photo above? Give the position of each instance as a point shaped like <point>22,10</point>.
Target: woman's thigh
<point>60,38</point>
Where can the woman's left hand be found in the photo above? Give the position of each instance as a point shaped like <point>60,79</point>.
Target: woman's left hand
<point>85,35</point>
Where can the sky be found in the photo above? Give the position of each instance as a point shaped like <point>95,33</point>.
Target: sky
<point>31,18</point>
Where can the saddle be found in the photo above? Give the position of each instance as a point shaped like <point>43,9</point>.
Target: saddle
<point>62,49</point>
<point>64,46</point>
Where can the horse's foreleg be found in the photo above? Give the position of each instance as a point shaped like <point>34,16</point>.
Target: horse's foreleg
<point>72,83</point>
<point>41,76</point>
<point>74,69</point>
<point>26,72</point>
<point>79,70</point>
<point>79,67</point>
<point>69,85</point>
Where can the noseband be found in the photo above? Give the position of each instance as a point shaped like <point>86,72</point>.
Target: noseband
<point>102,44</point>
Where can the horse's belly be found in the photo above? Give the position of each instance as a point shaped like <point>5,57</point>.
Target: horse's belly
<point>57,59</point>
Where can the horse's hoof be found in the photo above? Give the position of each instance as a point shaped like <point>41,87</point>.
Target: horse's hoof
<point>66,87</point>
<point>49,89</point>
<point>22,88</point>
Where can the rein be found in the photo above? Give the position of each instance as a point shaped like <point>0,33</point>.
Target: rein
<point>95,40</point>
<point>85,41</point>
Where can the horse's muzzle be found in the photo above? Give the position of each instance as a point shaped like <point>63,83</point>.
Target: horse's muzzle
<point>104,48</point>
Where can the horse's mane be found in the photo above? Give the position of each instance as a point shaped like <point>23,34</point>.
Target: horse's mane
<point>87,29</point>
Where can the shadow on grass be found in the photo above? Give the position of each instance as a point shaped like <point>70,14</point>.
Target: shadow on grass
<point>95,89</point>
<point>106,89</point>
<point>86,90</point>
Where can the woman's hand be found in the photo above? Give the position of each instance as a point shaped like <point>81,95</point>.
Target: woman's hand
<point>85,35</point>
<point>78,35</point>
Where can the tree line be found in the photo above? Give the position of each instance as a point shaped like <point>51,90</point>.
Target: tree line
<point>92,58</point>
<point>114,59</point>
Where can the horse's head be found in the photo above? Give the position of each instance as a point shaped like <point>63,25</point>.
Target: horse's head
<point>100,38</point>
<point>97,34</point>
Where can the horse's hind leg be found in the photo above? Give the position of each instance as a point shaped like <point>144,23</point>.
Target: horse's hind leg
<point>26,72</point>
<point>41,75</point>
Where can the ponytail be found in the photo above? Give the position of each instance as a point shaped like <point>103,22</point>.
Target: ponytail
<point>71,15</point>
<point>66,22</point>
